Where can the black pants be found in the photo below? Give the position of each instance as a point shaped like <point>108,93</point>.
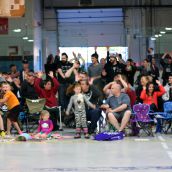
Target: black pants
<point>93,115</point>
<point>63,99</point>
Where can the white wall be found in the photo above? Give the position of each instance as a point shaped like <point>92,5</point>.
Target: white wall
<point>90,35</point>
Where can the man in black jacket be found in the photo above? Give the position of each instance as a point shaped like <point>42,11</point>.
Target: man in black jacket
<point>94,96</point>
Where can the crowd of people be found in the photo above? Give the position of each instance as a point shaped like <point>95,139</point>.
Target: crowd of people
<point>108,85</point>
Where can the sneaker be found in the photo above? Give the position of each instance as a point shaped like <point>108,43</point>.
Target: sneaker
<point>122,133</point>
<point>2,134</point>
<point>87,136</point>
<point>77,136</point>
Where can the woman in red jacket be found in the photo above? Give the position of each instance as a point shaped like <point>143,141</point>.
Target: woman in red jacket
<point>150,96</point>
<point>48,91</point>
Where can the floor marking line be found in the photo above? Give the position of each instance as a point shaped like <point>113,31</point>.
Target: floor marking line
<point>164,145</point>
<point>169,154</point>
<point>161,138</point>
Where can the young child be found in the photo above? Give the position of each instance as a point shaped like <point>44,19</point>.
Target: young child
<point>13,107</point>
<point>45,125</point>
<point>2,132</point>
<point>79,100</point>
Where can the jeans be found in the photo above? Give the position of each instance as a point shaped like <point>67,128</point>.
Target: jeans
<point>93,115</point>
<point>63,99</point>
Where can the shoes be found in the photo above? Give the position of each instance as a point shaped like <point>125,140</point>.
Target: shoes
<point>87,136</point>
<point>2,134</point>
<point>77,136</point>
<point>122,133</point>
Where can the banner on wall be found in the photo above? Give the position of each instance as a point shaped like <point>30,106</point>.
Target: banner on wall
<point>12,8</point>
<point>3,26</point>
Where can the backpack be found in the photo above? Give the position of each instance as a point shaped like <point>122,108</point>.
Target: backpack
<point>108,136</point>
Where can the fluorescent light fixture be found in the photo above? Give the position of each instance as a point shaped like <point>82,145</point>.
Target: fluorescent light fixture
<point>25,38</point>
<point>156,36</point>
<point>160,35</point>
<point>168,28</point>
<point>30,40</point>
<point>162,32</point>
<point>153,39</point>
<point>17,30</point>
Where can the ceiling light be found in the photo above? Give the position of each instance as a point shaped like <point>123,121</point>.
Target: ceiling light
<point>160,35</point>
<point>153,39</point>
<point>17,30</point>
<point>162,32</point>
<point>25,38</point>
<point>30,40</point>
<point>156,36</point>
<point>168,28</point>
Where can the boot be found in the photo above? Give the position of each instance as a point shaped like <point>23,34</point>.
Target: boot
<point>86,133</point>
<point>78,133</point>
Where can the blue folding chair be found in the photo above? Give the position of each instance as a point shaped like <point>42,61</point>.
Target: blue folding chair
<point>164,118</point>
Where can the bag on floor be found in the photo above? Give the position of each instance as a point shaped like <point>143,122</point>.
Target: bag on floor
<point>108,136</point>
<point>23,137</point>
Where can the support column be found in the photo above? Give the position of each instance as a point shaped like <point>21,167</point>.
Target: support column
<point>136,34</point>
<point>37,29</point>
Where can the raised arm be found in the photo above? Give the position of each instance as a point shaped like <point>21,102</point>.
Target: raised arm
<point>59,70</point>
<point>82,59</point>
<point>107,88</point>
<point>37,82</point>
<point>161,89</point>
<point>55,81</point>
<point>70,71</point>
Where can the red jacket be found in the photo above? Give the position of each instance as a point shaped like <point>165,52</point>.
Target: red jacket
<point>152,99</point>
<point>49,95</point>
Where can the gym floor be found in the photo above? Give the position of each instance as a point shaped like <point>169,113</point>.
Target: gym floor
<point>133,154</point>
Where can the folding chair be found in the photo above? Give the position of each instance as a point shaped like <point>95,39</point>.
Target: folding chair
<point>165,118</point>
<point>54,110</point>
<point>142,118</point>
<point>34,109</point>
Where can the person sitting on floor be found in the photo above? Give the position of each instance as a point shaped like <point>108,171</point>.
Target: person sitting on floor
<point>45,125</point>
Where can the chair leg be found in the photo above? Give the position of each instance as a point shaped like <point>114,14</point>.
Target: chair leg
<point>60,115</point>
<point>27,123</point>
<point>169,126</point>
<point>146,127</point>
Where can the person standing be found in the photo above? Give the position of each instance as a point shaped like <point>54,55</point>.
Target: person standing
<point>63,67</point>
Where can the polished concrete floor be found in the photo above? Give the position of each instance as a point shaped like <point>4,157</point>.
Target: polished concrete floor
<point>133,154</point>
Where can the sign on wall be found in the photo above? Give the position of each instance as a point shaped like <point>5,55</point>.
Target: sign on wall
<point>12,8</point>
<point>3,26</point>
